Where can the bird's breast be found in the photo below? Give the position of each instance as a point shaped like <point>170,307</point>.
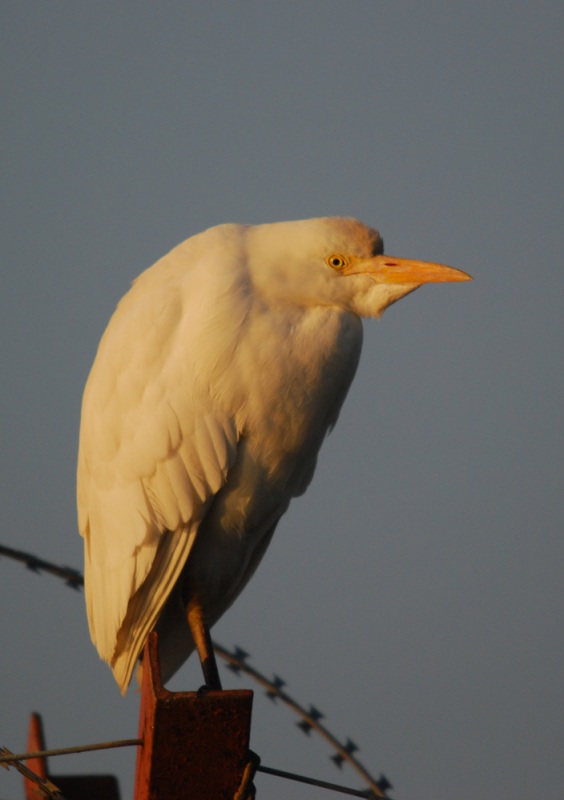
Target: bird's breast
<point>297,369</point>
<point>295,385</point>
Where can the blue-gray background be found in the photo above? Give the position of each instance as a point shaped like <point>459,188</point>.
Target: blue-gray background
<point>414,594</point>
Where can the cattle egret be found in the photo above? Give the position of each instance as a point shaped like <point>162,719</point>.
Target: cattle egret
<point>215,383</point>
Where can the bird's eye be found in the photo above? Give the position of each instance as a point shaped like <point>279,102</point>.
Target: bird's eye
<point>337,262</point>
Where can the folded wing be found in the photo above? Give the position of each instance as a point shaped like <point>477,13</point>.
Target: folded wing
<point>155,445</point>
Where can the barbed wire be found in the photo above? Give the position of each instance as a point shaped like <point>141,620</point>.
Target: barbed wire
<point>237,663</point>
<point>72,577</point>
<point>310,718</point>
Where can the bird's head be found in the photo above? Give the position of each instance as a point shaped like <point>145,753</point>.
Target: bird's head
<point>335,262</point>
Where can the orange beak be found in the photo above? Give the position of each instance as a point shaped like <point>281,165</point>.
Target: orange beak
<point>388,269</point>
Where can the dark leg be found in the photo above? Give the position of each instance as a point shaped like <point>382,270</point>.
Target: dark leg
<point>203,642</point>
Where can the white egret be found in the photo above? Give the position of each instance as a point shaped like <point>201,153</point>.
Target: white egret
<point>214,385</point>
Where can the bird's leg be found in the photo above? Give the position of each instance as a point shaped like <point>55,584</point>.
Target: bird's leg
<point>202,639</point>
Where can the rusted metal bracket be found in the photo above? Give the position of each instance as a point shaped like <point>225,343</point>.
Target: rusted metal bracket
<point>73,787</point>
<point>195,744</point>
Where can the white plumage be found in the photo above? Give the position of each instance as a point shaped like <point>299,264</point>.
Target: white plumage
<point>214,385</point>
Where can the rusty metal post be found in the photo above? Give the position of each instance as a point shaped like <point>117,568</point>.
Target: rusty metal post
<point>35,742</point>
<point>195,744</point>
<point>73,787</point>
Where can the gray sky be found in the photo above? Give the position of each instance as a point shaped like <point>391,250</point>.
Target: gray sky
<point>414,594</point>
